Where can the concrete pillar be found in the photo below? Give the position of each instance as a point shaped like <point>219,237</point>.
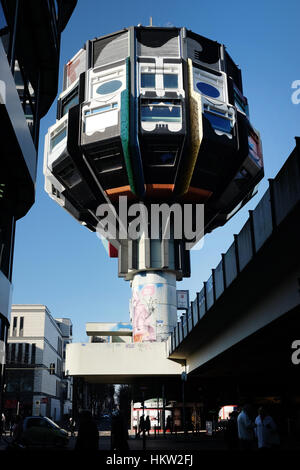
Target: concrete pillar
<point>153,305</point>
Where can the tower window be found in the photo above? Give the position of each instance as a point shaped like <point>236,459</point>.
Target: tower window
<point>68,102</point>
<point>170,80</point>
<point>58,138</point>
<point>148,80</point>
<point>156,111</point>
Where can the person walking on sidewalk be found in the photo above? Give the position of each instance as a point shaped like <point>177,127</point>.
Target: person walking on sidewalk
<point>147,425</point>
<point>141,425</point>
<point>266,430</point>
<point>231,431</point>
<point>245,429</point>
<point>2,426</point>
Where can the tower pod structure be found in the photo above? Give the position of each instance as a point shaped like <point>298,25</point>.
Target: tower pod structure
<point>156,116</point>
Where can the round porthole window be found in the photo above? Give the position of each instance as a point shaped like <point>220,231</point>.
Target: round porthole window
<point>208,90</point>
<point>109,87</point>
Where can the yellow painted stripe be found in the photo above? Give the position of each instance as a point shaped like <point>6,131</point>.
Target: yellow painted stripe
<point>196,132</point>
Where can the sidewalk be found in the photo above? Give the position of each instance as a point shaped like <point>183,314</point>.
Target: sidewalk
<point>170,442</point>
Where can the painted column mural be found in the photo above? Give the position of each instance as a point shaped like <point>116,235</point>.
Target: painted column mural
<point>153,306</point>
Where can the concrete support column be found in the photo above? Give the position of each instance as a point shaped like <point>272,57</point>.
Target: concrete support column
<point>153,305</point>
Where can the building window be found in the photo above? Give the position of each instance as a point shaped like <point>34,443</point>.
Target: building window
<point>14,332</point>
<point>69,101</point>
<point>156,111</point>
<point>208,89</point>
<point>109,87</point>
<point>170,80</point>
<point>101,109</point>
<point>218,119</point>
<point>20,352</point>
<point>58,138</point>
<point>148,80</point>
<point>13,353</point>
<point>26,354</point>
<point>21,326</point>
<point>33,353</point>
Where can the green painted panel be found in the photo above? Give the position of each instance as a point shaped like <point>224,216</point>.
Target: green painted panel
<point>125,97</point>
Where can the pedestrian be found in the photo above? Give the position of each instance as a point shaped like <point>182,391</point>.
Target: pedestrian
<point>231,431</point>
<point>266,430</point>
<point>17,430</point>
<point>141,424</point>
<point>72,425</point>
<point>169,423</point>
<point>2,425</point>
<point>119,431</point>
<point>245,429</point>
<point>147,425</point>
<point>88,434</point>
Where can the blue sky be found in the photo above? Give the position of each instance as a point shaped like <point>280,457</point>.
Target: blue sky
<point>61,264</point>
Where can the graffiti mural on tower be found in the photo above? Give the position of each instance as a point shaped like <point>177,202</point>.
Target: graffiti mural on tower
<point>143,309</point>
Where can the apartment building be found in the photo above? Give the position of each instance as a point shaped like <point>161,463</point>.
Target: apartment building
<point>35,379</point>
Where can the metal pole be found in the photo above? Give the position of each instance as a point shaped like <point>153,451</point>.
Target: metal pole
<point>157,425</point>
<point>183,408</point>
<point>163,413</point>
<point>144,431</point>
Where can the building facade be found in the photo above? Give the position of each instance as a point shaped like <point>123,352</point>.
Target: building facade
<point>66,328</point>
<point>30,35</point>
<point>35,379</point>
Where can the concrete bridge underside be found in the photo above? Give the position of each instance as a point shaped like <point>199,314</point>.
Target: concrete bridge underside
<point>244,343</point>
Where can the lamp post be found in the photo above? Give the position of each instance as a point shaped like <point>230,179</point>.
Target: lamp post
<point>183,380</point>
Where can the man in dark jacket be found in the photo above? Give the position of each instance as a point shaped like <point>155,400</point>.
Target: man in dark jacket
<point>119,431</point>
<point>88,434</point>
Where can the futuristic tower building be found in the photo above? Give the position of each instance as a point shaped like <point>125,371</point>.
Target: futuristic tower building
<point>151,116</point>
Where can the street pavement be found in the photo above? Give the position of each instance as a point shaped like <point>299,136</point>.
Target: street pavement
<point>169,442</point>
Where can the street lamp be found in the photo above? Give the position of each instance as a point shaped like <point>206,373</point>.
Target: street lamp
<point>183,380</point>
